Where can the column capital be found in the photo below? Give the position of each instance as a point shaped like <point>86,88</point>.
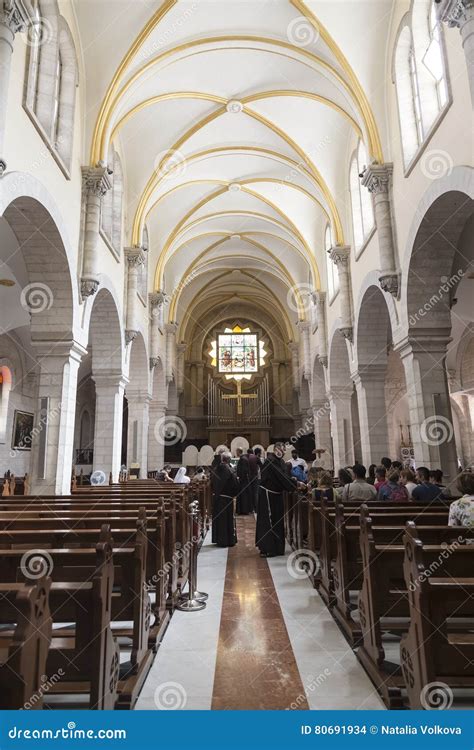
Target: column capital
<point>318,298</point>
<point>171,328</point>
<point>367,374</point>
<point>377,178</point>
<point>16,15</point>
<point>59,349</point>
<point>135,256</point>
<point>294,347</point>
<point>424,342</point>
<point>110,380</point>
<point>181,348</point>
<point>154,361</point>
<point>454,12</point>
<point>323,358</point>
<point>157,299</point>
<point>303,325</point>
<point>340,255</point>
<point>347,332</point>
<point>96,181</point>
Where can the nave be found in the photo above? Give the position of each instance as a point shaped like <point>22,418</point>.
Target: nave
<point>266,641</point>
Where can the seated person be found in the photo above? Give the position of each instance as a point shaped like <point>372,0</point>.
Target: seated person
<point>325,487</point>
<point>359,489</point>
<point>380,477</point>
<point>425,491</point>
<point>461,512</point>
<point>393,490</point>
<point>298,472</point>
<point>165,474</point>
<point>344,477</point>
<point>200,474</point>
<point>181,476</point>
<point>436,478</point>
<point>407,478</point>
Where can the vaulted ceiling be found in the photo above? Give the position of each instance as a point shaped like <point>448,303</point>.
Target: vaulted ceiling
<point>235,120</point>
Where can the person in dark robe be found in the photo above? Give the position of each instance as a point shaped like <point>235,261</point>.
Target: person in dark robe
<point>254,476</point>
<point>226,487</point>
<point>244,498</point>
<point>274,480</point>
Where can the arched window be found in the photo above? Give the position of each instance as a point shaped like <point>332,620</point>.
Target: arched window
<point>361,200</point>
<point>50,94</point>
<point>420,76</point>
<point>5,388</point>
<point>111,217</point>
<point>333,276</point>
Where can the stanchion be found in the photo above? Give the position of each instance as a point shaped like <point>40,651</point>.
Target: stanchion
<point>194,600</point>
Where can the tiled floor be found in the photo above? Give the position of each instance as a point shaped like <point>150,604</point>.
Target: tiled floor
<point>264,641</point>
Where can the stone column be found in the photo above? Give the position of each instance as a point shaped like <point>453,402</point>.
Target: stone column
<point>340,255</point>
<point>180,365</point>
<point>460,14</point>
<point>95,183</point>
<point>156,301</point>
<point>138,424</point>
<point>431,421</point>
<point>170,329</point>
<point>156,445</point>
<point>303,326</point>
<point>295,364</point>
<point>341,426</point>
<point>370,387</point>
<point>321,409</point>
<point>135,258</point>
<point>53,436</point>
<point>108,422</point>
<point>377,179</point>
<point>319,299</point>
<point>14,18</point>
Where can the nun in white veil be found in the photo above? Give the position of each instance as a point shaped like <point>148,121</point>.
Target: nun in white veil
<point>181,476</point>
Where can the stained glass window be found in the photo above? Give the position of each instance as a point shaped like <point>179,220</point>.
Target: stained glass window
<point>237,353</point>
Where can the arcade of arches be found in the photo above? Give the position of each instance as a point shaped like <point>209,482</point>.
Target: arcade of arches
<point>231,223</point>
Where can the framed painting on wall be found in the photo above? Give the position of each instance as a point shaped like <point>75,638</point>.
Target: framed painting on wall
<point>22,428</point>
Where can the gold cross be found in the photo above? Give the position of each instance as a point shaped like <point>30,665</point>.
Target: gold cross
<point>240,396</point>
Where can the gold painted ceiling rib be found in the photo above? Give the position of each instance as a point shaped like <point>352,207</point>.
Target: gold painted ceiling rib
<point>195,264</point>
<point>99,145</point>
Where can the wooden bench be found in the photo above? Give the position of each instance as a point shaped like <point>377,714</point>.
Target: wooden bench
<point>85,654</point>
<point>439,644</point>
<point>383,602</point>
<point>23,653</point>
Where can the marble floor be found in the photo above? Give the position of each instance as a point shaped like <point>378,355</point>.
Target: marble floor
<point>264,641</point>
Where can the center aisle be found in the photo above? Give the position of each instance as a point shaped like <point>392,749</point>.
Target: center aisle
<point>256,667</point>
<point>265,641</point>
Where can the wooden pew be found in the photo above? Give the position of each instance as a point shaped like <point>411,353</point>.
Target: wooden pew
<point>387,513</point>
<point>347,567</point>
<point>86,656</point>
<point>439,644</point>
<point>23,653</point>
<point>383,601</point>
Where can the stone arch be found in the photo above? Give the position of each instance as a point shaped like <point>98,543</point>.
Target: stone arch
<point>138,397</point>
<point>373,328</point>
<point>439,225</point>
<point>106,347</point>
<point>439,250</point>
<point>50,294</point>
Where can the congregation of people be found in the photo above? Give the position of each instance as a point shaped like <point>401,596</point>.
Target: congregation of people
<point>250,484</point>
